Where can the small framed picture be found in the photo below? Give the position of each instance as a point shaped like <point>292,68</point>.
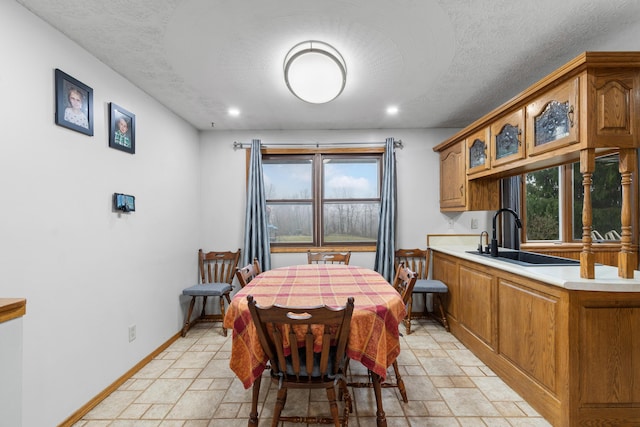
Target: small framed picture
<point>74,104</point>
<point>122,129</point>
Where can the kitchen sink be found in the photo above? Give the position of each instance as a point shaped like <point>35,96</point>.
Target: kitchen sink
<point>528,259</point>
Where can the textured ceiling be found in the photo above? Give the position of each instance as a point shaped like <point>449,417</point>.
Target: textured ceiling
<point>443,63</point>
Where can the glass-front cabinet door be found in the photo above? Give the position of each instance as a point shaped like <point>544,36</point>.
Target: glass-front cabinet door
<point>552,119</point>
<point>478,159</point>
<point>507,134</point>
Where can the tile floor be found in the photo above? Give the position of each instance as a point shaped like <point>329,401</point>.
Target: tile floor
<point>190,385</point>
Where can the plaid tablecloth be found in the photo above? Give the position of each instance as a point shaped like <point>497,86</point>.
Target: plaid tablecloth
<point>373,338</point>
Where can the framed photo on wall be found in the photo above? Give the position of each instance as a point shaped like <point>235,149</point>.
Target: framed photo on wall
<point>122,129</point>
<point>74,104</point>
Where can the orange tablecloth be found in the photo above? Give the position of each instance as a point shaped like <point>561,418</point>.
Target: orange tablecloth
<point>373,339</point>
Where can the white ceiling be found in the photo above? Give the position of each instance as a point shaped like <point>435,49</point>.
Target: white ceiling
<point>444,63</point>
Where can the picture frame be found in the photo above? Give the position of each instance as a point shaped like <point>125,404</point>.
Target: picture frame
<point>74,103</point>
<point>122,129</point>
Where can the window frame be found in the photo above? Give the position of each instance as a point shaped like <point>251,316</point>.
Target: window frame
<point>317,207</point>
<point>567,242</point>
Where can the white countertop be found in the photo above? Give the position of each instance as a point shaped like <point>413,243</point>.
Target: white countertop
<point>564,276</point>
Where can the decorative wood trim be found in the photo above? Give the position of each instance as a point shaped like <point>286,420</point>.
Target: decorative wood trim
<point>76,416</point>
<point>11,308</point>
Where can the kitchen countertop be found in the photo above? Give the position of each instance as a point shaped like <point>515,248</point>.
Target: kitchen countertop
<point>563,276</point>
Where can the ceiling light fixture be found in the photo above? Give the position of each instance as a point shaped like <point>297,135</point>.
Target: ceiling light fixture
<point>315,72</point>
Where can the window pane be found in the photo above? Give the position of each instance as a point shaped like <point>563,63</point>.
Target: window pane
<point>290,223</point>
<point>606,199</point>
<point>542,204</point>
<point>288,179</point>
<point>351,178</point>
<point>351,222</point>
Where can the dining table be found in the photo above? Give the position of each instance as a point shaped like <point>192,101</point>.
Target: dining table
<point>373,337</point>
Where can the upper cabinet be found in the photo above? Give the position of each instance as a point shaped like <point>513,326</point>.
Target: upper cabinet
<point>453,196</point>
<point>590,103</point>
<point>552,119</point>
<point>507,135</point>
<point>457,193</point>
<point>478,159</point>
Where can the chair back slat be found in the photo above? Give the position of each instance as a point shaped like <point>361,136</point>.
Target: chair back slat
<point>248,272</point>
<point>304,326</point>
<point>417,260</point>
<point>218,267</point>
<point>404,282</point>
<point>328,257</point>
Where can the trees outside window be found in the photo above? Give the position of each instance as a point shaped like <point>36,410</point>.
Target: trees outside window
<point>548,207</point>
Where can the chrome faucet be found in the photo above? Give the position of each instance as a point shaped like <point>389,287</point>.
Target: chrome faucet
<point>484,234</point>
<point>494,239</point>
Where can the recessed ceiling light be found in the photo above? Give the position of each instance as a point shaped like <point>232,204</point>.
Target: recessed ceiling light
<point>392,110</point>
<point>234,112</point>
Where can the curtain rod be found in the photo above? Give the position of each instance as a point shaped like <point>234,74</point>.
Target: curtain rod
<point>239,145</point>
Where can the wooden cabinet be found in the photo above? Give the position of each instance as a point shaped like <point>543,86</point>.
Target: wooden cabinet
<point>552,119</point>
<point>574,356</point>
<point>478,158</point>
<point>477,303</point>
<point>590,105</point>
<point>507,135</point>
<point>459,194</point>
<point>453,195</point>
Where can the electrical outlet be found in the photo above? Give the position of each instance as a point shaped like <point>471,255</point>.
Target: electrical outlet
<point>474,223</point>
<point>132,333</point>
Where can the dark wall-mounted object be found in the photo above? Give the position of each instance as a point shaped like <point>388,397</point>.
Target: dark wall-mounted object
<point>124,202</point>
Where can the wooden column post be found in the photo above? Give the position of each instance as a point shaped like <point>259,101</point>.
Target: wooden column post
<point>587,259</point>
<point>628,256</point>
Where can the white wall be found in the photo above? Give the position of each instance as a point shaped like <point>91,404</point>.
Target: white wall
<point>417,173</point>
<point>87,272</point>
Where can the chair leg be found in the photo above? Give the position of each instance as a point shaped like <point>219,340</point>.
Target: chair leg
<point>280,401</point>
<point>400,382</point>
<point>407,320</point>
<point>333,406</point>
<point>445,323</point>
<point>224,330</point>
<point>204,304</point>
<point>253,415</point>
<point>187,319</point>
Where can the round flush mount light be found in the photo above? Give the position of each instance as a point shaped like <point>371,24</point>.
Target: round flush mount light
<point>315,72</point>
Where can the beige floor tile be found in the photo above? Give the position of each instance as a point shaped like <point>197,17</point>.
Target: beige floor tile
<point>113,405</point>
<point>190,385</point>
<point>468,402</point>
<point>196,405</point>
<point>164,391</point>
<point>157,411</point>
<point>134,411</point>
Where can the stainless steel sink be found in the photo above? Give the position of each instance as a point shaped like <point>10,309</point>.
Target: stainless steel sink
<point>528,259</point>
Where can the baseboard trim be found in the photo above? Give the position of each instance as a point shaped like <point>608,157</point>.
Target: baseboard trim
<point>77,416</point>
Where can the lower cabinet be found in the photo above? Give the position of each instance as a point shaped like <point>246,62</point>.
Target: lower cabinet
<point>573,355</point>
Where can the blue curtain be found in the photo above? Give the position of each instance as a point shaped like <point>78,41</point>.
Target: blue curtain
<point>385,251</point>
<point>256,233</point>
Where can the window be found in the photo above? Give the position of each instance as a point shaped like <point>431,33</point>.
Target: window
<point>322,199</point>
<point>548,206</point>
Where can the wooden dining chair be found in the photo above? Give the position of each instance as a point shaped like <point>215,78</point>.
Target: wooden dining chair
<point>328,257</point>
<point>418,260</point>
<point>403,282</point>
<point>216,276</point>
<point>248,272</point>
<point>306,347</point>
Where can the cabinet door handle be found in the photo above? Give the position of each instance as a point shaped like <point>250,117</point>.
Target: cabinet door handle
<point>570,114</point>
<point>461,188</point>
